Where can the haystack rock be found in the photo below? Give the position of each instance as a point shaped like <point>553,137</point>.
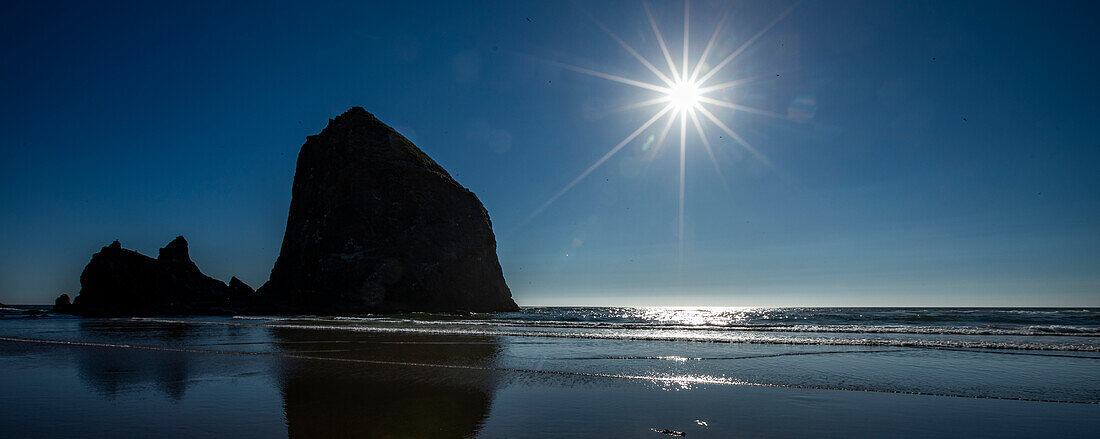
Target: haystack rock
<point>118,281</point>
<point>376,225</point>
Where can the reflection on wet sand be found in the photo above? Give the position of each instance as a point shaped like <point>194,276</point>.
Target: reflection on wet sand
<point>339,399</point>
<point>324,395</point>
<point>110,371</point>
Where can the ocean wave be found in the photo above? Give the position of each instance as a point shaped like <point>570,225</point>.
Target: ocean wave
<point>1034,330</point>
<point>747,337</point>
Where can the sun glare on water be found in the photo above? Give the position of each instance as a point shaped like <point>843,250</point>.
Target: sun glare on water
<point>686,93</point>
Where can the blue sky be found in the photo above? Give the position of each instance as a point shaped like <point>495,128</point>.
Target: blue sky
<point>142,121</point>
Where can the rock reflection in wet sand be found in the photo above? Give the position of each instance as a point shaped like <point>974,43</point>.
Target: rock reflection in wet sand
<point>347,399</point>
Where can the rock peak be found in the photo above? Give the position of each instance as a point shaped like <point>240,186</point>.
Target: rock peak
<point>357,112</point>
<point>179,242</point>
<point>356,116</point>
<point>176,255</point>
<point>357,132</point>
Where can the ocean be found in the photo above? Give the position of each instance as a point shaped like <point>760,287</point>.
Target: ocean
<point>1043,329</point>
<point>559,372</point>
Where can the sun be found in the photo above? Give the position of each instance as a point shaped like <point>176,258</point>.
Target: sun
<point>686,93</point>
<point>684,96</point>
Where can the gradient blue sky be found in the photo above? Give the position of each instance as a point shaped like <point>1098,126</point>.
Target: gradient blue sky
<point>141,121</point>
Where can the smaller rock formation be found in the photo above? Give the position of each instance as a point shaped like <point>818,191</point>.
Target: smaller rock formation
<point>242,298</point>
<point>63,304</point>
<point>238,288</point>
<point>118,281</point>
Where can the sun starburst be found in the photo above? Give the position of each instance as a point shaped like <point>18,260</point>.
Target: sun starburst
<point>684,96</point>
<point>685,92</point>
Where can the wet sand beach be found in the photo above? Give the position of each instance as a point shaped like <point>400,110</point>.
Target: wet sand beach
<point>220,377</point>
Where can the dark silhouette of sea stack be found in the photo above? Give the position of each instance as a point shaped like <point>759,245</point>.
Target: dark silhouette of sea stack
<point>375,225</point>
<point>118,281</point>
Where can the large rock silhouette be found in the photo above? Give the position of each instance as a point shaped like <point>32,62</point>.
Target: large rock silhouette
<point>375,225</point>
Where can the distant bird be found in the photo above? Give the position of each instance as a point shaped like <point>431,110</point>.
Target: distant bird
<point>964,119</point>
<point>933,58</point>
<point>528,19</point>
